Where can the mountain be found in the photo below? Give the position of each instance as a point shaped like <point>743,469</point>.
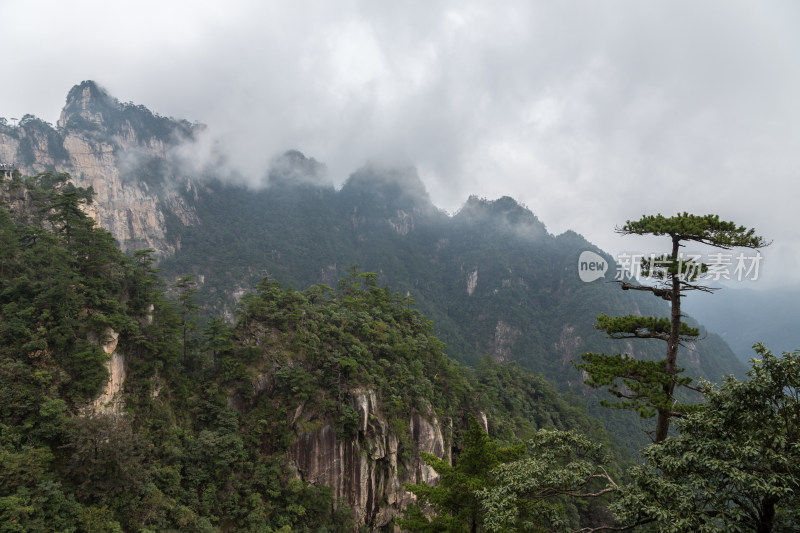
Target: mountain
<point>491,277</point>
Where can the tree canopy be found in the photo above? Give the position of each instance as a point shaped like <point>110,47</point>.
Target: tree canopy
<point>735,465</point>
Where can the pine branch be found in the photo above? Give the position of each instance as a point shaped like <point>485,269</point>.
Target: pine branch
<point>665,294</point>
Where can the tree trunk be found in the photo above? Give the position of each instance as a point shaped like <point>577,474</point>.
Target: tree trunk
<point>767,515</point>
<point>662,425</point>
<point>664,414</point>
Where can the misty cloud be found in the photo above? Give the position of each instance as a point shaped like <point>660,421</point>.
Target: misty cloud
<point>589,113</point>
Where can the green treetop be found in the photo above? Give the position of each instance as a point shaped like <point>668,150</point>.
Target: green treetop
<point>735,465</point>
<point>649,386</point>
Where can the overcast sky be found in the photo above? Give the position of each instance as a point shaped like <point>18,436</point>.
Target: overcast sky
<point>588,112</point>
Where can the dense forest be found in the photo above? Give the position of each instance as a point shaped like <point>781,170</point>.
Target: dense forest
<point>198,441</point>
<point>201,437</point>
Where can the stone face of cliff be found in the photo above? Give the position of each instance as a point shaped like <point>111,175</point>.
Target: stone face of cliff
<point>368,471</point>
<point>110,400</point>
<point>122,151</point>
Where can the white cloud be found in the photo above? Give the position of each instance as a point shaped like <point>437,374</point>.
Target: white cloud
<point>589,113</point>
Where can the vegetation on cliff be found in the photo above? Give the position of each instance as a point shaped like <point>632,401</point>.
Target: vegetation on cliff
<point>201,443</point>
<point>177,458</point>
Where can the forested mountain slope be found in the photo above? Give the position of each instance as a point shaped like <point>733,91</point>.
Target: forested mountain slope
<point>490,277</point>
<point>220,427</point>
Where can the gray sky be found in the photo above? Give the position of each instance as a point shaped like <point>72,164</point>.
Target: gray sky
<point>588,112</point>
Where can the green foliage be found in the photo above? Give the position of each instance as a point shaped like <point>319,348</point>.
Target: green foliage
<point>211,408</point>
<point>642,384</point>
<point>705,229</point>
<point>178,458</point>
<point>645,327</point>
<point>103,458</point>
<point>554,483</point>
<point>330,343</point>
<point>527,305</point>
<point>734,466</point>
<point>454,501</point>
<point>185,287</point>
<point>518,403</point>
<point>58,290</point>
<point>540,492</point>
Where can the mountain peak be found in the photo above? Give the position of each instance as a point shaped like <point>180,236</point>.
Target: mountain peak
<point>391,182</point>
<point>294,168</point>
<point>91,108</point>
<point>88,102</point>
<point>505,212</point>
<point>87,90</point>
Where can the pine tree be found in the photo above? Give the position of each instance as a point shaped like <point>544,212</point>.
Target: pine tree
<point>186,286</point>
<point>649,386</point>
<point>454,499</point>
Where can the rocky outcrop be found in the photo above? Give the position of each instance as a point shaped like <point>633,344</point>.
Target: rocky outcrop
<point>369,469</point>
<point>123,152</point>
<point>402,222</point>
<point>505,336</point>
<point>472,281</point>
<point>110,401</point>
<point>9,146</point>
<point>568,344</point>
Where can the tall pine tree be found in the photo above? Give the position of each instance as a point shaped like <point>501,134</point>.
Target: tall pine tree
<point>649,386</point>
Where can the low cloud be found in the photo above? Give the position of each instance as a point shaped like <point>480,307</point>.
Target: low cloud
<point>589,113</point>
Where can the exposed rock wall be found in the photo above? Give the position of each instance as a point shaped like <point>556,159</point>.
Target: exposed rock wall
<point>129,211</point>
<point>472,281</point>
<point>110,401</point>
<point>102,144</point>
<point>504,338</point>
<point>568,344</point>
<point>368,470</point>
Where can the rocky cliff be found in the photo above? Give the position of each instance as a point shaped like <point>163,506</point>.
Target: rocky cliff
<point>124,152</point>
<point>110,401</point>
<point>368,471</point>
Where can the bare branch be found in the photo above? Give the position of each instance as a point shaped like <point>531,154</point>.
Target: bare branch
<point>640,334</point>
<point>696,389</point>
<point>612,528</point>
<point>588,494</point>
<point>686,286</point>
<point>658,291</point>
<point>608,477</point>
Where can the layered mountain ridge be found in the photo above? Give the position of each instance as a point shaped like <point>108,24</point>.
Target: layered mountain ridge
<point>491,277</point>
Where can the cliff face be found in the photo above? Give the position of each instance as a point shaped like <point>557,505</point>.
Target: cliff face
<point>110,400</point>
<point>367,471</point>
<point>122,151</point>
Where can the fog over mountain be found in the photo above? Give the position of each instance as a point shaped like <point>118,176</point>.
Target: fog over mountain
<point>589,114</point>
